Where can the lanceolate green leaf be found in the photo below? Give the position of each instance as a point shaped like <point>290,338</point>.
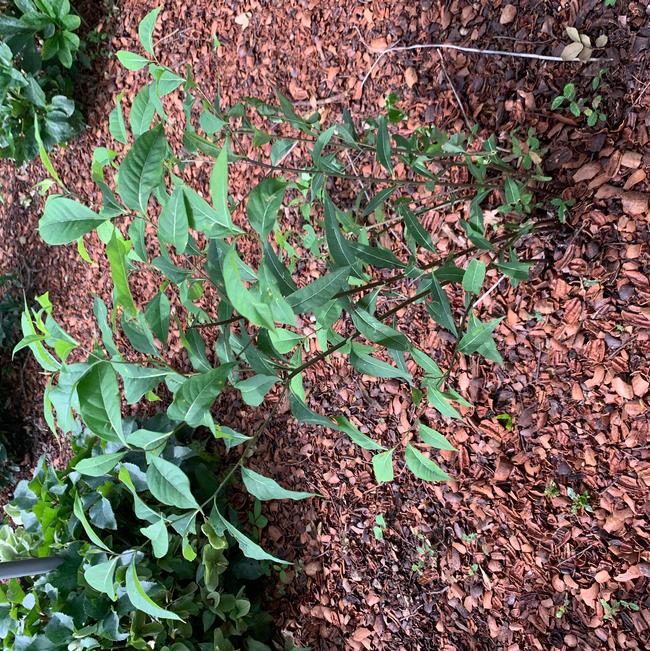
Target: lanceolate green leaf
<point>139,380</point>
<point>339,247</point>
<point>439,307</point>
<point>474,276</point>
<point>169,484</point>
<point>478,336</point>
<point>317,293</point>
<point>196,395</point>
<point>358,437</point>
<point>131,60</point>
<point>441,403</point>
<point>90,532</point>
<point>116,124</point>
<point>157,315</point>
<point>101,577</point>
<point>377,256</point>
<point>254,389</point>
<point>265,488</point>
<point>415,229</point>
<point>142,169</point>
<point>303,414</point>
<point>116,252</point>
<point>99,402</point>
<point>422,467</point>
<point>219,187</point>
<point>434,438</point>
<point>142,111</point>
<point>146,27</point>
<point>377,331</point>
<point>141,600</point>
<point>247,546</point>
<point>383,145</point>
<point>369,365</point>
<point>65,220</point>
<point>173,223</point>
<point>264,202</point>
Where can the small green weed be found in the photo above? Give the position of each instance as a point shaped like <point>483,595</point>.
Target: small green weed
<point>580,106</point>
<point>380,527</point>
<point>579,502</point>
<point>612,609</point>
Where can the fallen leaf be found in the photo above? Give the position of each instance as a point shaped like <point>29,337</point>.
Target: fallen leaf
<point>633,572</point>
<point>410,77</point>
<point>243,20</point>
<point>571,51</point>
<point>622,388</point>
<point>508,14</point>
<point>587,172</point>
<point>635,203</point>
<point>573,34</point>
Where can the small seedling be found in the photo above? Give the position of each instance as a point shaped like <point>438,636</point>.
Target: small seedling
<point>611,610</point>
<point>610,3</point>
<point>469,537</point>
<point>425,553</point>
<point>505,417</point>
<point>257,520</point>
<point>579,106</point>
<point>562,610</point>
<point>380,527</point>
<point>562,207</point>
<point>579,502</point>
<point>552,489</point>
<point>473,569</point>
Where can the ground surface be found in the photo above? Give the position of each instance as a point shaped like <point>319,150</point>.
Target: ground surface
<point>496,559</point>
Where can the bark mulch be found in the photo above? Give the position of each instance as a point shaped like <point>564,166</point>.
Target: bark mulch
<point>502,557</point>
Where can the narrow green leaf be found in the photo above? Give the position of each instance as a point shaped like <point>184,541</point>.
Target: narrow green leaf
<point>369,365</point>
<point>383,145</point>
<point>169,484</point>
<point>219,187</point>
<point>146,27</point>
<point>65,220</point>
<point>434,438</point>
<point>173,223</point>
<point>157,315</point>
<point>339,247</point>
<point>415,229</point>
<point>90,532</point>
<point>474,276</point>
<point>382,466</point>
<point>303,414</point>
<point>422,467</point>
<point>142,111</point>
<point>247,546</point>
<point>478,336</point>
<point>375,330</point>
<point>439,402</point>
<point>116,125</point>
<point>439,307</point>
<point>376,256</point>
<point>147,439</point>
<point>116,252</point>
<point>379,199</point>
<point>358,437</point>
<point>141,600</point>
<point>265,488</point>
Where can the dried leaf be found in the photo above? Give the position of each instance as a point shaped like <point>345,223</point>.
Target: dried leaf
<point>410,77</point>
<point>573,34</point>
<point>585,54</point>
<point>508,14</point>
<point>571,51</point>
<point>601,41</point>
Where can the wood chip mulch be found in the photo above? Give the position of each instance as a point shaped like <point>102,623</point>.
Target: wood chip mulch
<point>496,559</point>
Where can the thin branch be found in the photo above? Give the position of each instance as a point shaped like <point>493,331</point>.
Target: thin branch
<point>473,50</point>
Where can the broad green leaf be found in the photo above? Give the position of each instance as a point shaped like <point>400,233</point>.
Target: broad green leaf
<point>139,334</point>
<point>339,247</point>
<point>99,402</point>
<point>374,330</point>
<point>474,276</point>
<point>369,365</point>
<point>284,341</point>
<point>173,223</point>
<point>247,546</point>
<point>146,27</point>
<point>116,252</point>
<point>196,395</point>
<point>422,467</point>
<point>265,488</point>
<point>139,380</point>
<point>141,600</point>
<point>159,537</point>
<point>116,125</point>
<point>478,336</point>
<point>65,220</point>
<point>157,315</point>
<point>147,439</point>
<point>142,511</point>
<point>376,256</point>
<point>99,465</point>
<point>439,307</point>
<point>242,299</point>
<point>383,145</point>
<point>382,466</point>
<point>101,577</point>
<point>169,484</point>
<point>142,169</point>
<point>358,437</point>
<point>264,203</point>
<point>434,438</point>
<point>317,293</point>
<point>280,272</point>
<point>131,60</point>
<point>489,348</point>
<point>254,389</point>
<point>415,229</point>
<point>203,217</point>
<point>90,532</point>
<point>142,111</point>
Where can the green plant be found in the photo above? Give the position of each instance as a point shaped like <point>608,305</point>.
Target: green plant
<point>38,49</point>
<point>506,419</point>
<point>610,3</point>
<point>563,608</point>
<point>612,609</point>
<point>579,502</point>
<point>250,329</point>
<point>176,580</point>
<point>380,527</point>
<point>580,106</point>
<point>425,554</point>
<point>552,489</point>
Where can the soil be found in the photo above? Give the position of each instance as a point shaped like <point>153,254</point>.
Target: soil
<point>500,558</point>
